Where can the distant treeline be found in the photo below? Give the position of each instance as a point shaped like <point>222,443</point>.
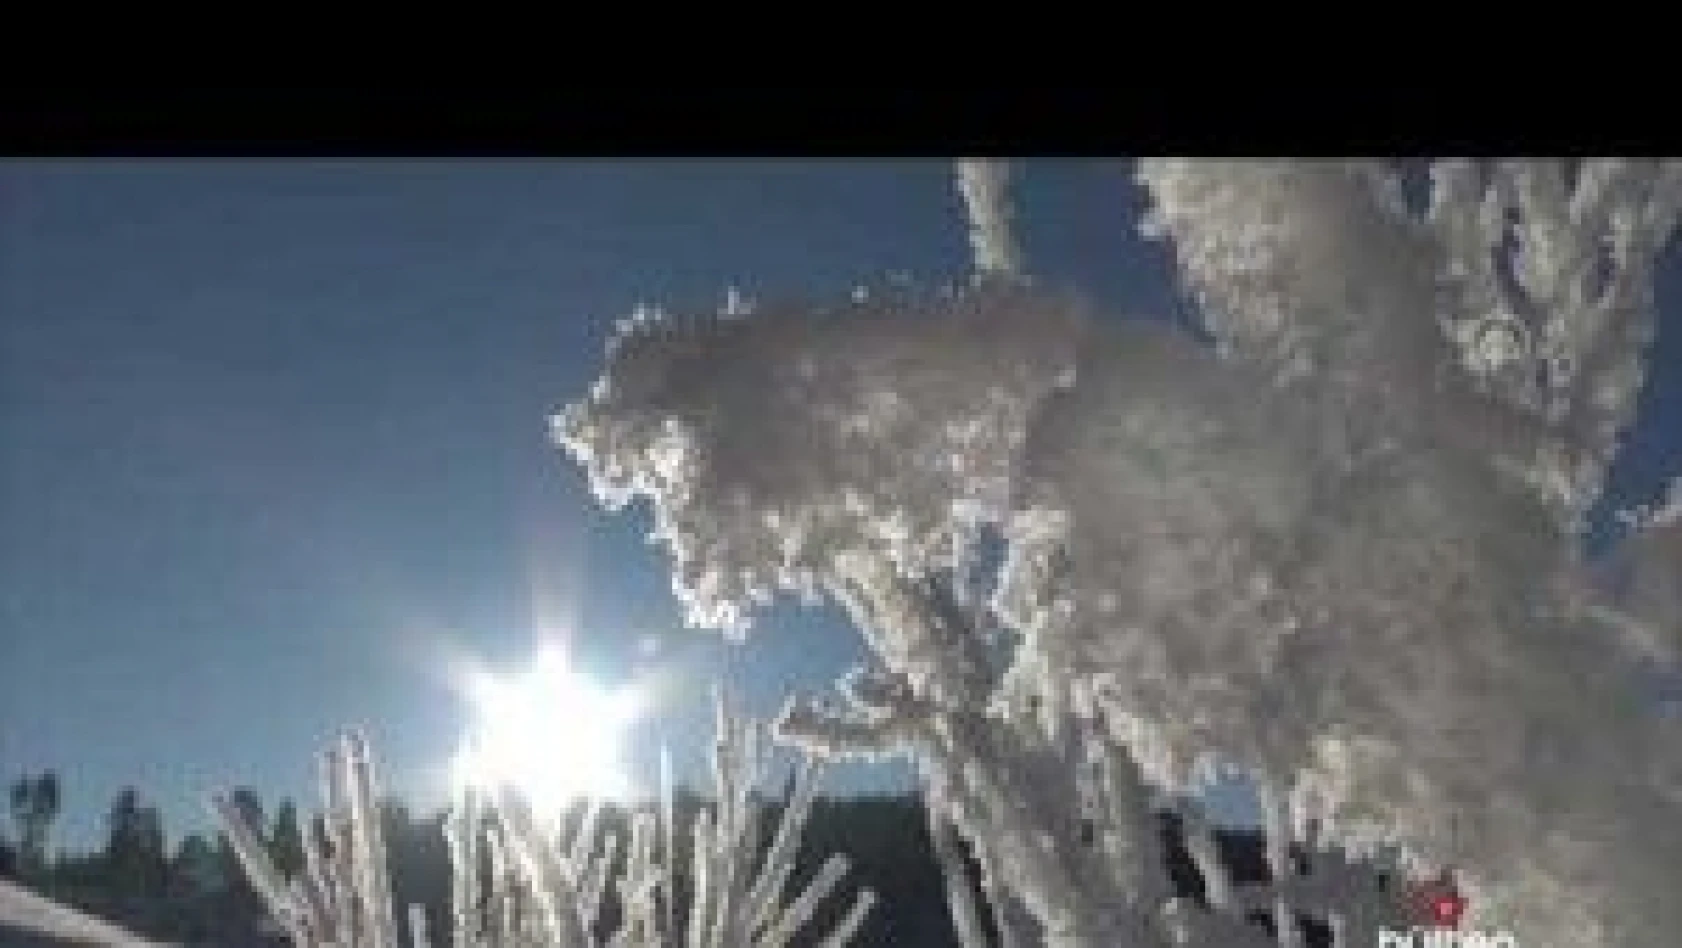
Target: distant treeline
<point>195,893</point>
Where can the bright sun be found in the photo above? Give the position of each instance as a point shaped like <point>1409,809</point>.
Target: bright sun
<point>550,734</point>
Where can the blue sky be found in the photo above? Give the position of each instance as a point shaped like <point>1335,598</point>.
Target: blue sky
<point>273,438</point>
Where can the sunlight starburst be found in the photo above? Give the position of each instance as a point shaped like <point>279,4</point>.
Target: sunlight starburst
<point>551,734</point>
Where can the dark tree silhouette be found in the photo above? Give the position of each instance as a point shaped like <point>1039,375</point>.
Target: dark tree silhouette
<point>286,840</point>
<point>8,859</point>
<point>35,804</point>
<point>194,869</point>
<point>249,804</point>
<point>135,856</point>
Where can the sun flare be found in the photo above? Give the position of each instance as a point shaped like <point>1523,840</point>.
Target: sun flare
<point>552,735</point>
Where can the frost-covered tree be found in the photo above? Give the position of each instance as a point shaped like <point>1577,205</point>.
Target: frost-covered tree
<point>1335,541</point>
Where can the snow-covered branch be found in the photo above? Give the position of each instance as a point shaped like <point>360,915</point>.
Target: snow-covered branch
<point>1339,548</point>
<point>983,185</point>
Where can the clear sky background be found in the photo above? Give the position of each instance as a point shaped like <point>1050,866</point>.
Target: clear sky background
<point>273,440</point>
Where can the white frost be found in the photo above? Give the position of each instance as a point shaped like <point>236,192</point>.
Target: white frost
<point>1340,549</point>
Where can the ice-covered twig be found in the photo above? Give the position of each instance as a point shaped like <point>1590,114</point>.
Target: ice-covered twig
<point>960,893</point>
<point>343,897</point>
<point>984,185</point>
<point>267,880</point>
<point>739,902</point>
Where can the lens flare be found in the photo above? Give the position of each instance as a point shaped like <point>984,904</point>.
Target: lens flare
<point>548,733</point>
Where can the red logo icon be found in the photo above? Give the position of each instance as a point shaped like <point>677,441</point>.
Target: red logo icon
<point>1436,903</point>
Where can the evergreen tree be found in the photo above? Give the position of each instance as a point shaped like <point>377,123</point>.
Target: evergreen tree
<point>35,804</point>
<point>195,869</point>
<point>136,859</point>
<point>286,840</point>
